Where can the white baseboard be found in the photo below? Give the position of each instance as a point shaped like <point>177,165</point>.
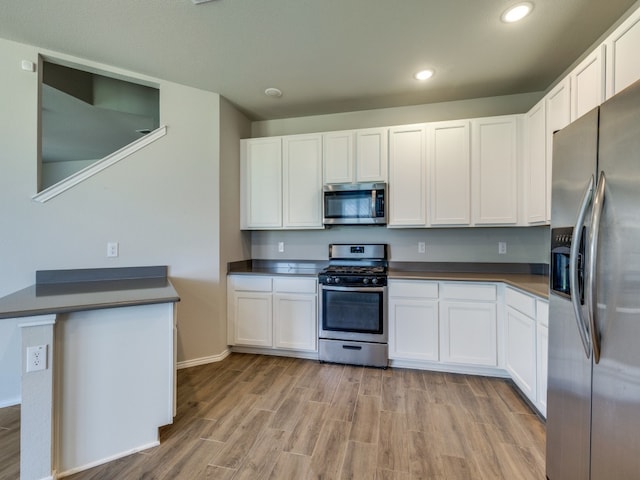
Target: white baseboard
<point>10,402</point>
<point>203,360</point>
<point>450,368</point>
<point>108,459</point>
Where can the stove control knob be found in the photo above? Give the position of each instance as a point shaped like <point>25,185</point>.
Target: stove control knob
<point>374,281</point>
<point>336,279</point>
<point>365,281</point>
<point>329,280</point>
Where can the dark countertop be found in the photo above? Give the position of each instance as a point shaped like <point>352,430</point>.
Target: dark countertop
<point>64,291</point>
<point>535,284</point>
<point>530,278</point>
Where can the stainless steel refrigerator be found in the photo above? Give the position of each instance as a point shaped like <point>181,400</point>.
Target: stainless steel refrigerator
<point>593,403</point>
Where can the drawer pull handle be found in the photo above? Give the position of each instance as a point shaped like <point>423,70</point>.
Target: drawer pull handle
<point>352,347</point>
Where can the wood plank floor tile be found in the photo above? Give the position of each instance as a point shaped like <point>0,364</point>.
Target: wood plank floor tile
<point>366,419</point>
<point>343,403</point>
<point>359,461</point>
<point>382,474</point>
<point>262,457</point>
<point>393,442</point>
<point>291,466</point>
<point>305,435</point>
<point>290,411</point>
<point>371,383</point>
<point>242,439</point>
<point>226,425</point>
<point>393,393</point>
<point>328,456</point>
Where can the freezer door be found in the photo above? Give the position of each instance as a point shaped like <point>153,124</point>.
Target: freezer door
<point>616,378</point>
<point>575,151</point>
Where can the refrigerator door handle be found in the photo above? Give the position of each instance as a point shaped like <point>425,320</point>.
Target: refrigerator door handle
<point>583,329</point>
<point>591,291</point>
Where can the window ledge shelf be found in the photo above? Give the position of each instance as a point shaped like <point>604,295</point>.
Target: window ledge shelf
<point>91,170</point>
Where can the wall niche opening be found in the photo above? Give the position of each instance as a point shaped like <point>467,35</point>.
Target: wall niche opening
<point>86,116</point>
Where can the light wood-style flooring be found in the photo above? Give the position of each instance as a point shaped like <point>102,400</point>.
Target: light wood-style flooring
<point>263,417</point>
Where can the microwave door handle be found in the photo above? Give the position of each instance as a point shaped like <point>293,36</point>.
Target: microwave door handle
<point>573,268</point>
<point>373,203</point>
<point>592,263</point>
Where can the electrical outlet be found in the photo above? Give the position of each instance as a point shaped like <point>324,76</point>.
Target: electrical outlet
<point>502,248</point>
<point>280,247</point>
<point>112,249</point>
<point>36,358</point>
<point>422,247</point>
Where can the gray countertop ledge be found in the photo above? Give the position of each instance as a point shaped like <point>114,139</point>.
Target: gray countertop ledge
<point>65,291</point>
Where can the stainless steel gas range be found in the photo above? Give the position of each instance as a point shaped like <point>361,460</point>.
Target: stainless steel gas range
<point>353,327</point>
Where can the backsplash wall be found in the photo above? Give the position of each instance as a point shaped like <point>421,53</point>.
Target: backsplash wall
<point>524,244</point>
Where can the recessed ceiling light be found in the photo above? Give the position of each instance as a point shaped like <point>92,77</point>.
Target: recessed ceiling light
<point>273,92</point>
<point>517,12</point>
<point>424,74</point>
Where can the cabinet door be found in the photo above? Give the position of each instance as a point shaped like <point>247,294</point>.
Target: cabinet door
<point>413,329</point>
<point>251,319</point>
<point>558,112</point>
<point>468,333</point>
<point>520,351</point>
<point>535,174</point>
<point>623,67</point>
<point>495,175</point>
<point>338,157</point>
<point>371,155</point>
<point>261,182</point>
<point>295,322</point>
<point>407,195</point>
<point>302,180</point>
<point>587,84</point>
<point>449,166</point>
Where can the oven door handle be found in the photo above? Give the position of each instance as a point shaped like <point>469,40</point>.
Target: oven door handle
<point>353,289</point>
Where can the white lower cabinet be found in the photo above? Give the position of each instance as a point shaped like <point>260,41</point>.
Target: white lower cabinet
<point>272,312</point>
<point>542,356</point>
<point>294,314</point>
<point>520,350</point>
<point>413,320</point>
<point>468,333</point>
<point>526,340</point>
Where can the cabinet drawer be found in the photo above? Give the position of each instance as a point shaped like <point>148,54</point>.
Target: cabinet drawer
<point>468,291</point>
<point>521,302</point>
<point>413,289</point>
<point>542,309</point>
<point>251,283</point>
<point>295,284</point>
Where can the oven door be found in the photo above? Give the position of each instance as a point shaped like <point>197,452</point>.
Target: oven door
<point>353,313</point>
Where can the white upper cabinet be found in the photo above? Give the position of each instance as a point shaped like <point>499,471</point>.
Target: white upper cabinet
<point>338,151</point>
<point>587,84</point>
<point>494,157</point>
<point>261,183</point>
<point>407,176</point>
<point>535,165</point>
<point>281,182</point>
<point>623,45</point>
<point>302,180</point>
<point>352,156</point>
<point>558,115</point>
<point>371,155</point>
<point>449,172</point>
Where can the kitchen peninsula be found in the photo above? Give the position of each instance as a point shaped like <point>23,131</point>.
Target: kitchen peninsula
<point>98,365</point>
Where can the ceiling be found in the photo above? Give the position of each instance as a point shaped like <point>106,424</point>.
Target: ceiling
<point>326,56</point>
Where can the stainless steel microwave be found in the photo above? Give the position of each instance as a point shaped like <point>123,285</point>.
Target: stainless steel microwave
<point>355,204</point>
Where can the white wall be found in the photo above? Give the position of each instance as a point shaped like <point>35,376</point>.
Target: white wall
<point>161,203</point>
<point>234,244</point>
<point>524,244</point>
